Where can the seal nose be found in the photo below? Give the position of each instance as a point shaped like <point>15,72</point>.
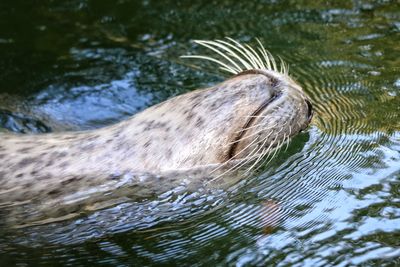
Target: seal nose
<point>310,110</point>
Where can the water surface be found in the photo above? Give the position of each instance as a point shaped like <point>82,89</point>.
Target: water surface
<point>331,199</point>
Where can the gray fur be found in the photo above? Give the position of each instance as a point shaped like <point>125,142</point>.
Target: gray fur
<point>179,141</point>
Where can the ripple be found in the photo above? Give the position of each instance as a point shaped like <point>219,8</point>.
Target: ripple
<point>330,199</point>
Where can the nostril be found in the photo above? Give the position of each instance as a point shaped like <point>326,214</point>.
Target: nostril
<point>310,109</point>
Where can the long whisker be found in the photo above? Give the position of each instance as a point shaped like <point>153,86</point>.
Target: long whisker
<point>209,44</point>
<point>256,161</point>
<point>245,64</point>
<point>244,161</point>
<point>257,125</point>
<point>262,153</point>
<point>256,153</point>
<point>277,147</point>
<point>250,56</point>
<point>234,57</point>
<point>270,157</point>
<point>224,46</point>
<point>267,149</point>
<point>264,53</point>
<point>225,163</point>
<point>250,135</point>
<point>254,126</point>
<point>288,138</point>
<point>225,67</point>
<point>257,57</point>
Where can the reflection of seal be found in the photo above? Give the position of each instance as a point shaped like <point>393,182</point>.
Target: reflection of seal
<point>235,123</point>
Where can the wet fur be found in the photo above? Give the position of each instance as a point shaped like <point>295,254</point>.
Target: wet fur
<point>59,174</point>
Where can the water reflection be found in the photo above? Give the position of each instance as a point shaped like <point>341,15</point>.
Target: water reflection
<point>331,199</point>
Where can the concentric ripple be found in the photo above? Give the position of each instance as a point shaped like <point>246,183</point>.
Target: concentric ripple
<point>330,199</point>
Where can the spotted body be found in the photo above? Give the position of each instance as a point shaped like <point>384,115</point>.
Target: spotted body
<point>205,133</point>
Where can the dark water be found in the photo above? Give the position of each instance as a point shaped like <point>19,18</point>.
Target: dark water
<point>332,199</point>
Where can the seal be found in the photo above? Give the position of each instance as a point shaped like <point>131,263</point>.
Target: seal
<point>205,133</point>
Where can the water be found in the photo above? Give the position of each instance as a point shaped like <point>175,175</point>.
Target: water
<point>332,199</point>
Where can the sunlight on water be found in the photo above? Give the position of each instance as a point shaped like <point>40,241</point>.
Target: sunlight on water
<point>331,198</point>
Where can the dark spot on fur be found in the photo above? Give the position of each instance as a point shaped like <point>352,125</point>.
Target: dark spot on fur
<point>54,192</point>
<point>24,150</point>
<point>27,185</point>
<point>117,133</point>
<point>26,161</point>
<point>56,155</point>
<point>199,122</point>
<point>49,163</point>
<point>43,177</point>
<point>195,97</point>
<point>42,155</point>
<point>70,180</point>
<point>88,146</point>
<point>196,104</point>
<point>274,82</point>
<point>94,137</point>
<point>154,125</point>
<point>147,144</point>
<point>190,116</point>
<point>63,165</point>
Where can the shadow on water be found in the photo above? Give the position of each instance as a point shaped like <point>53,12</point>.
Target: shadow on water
<point>332,198</point>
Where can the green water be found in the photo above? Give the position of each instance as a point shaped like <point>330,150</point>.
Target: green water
<point>332,199</point>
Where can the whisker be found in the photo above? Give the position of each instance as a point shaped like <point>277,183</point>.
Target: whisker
<point>209,44</point>
<point>255,163</point>
<point>243,162</point>
<point>269,158</point>
<point>248,136</point>
<point>225,46</point>
<point>252,154</point>
<point>257,57</point>
<point>225,163</point>
<point>245,64</point>
<point>270,146</point>
<point>288,138</point>
<point>264,53</point>
<point>256,125</point>
<point>261,155</point>
<point>225,67</point>
<point>249,56</point>
<point>253,126</point>
<point>239,57</point>
<point>259,116</point>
